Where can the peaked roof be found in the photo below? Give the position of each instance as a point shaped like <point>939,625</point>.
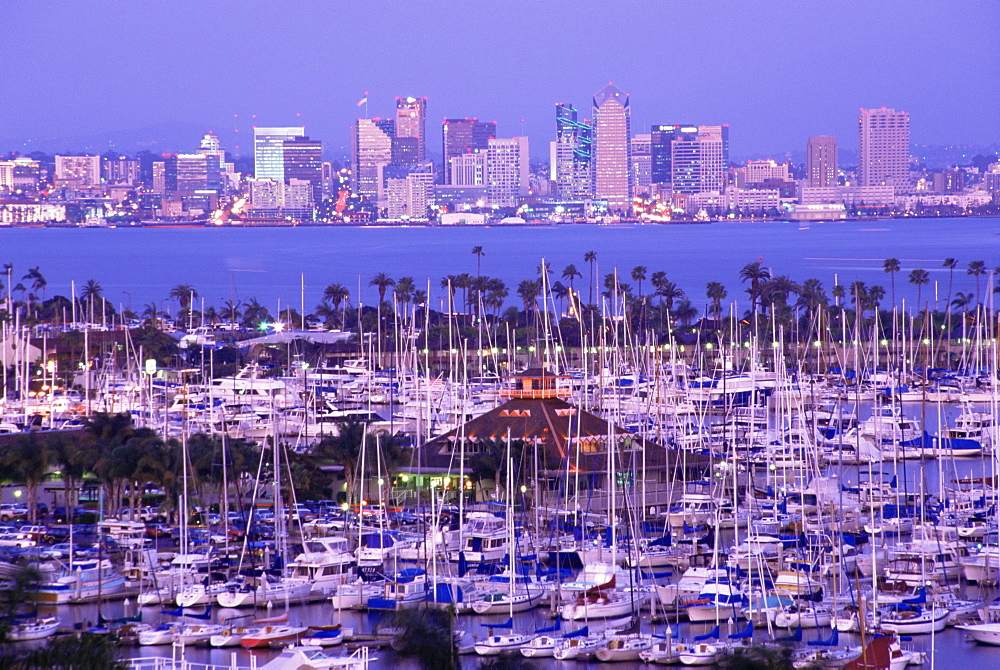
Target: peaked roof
<point>608,92</point>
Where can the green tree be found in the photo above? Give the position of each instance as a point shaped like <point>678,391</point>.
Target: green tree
<point>427,637</point>
<point>27,462</point>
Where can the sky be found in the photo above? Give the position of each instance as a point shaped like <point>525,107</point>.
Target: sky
<point>775,71</point>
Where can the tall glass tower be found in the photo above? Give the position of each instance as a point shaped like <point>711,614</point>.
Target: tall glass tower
<point>269,151</point>
<point>612,148</point>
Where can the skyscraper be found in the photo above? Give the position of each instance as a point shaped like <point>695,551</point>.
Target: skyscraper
<point>507,171</point>
<point>574,149</point>
<point>78,171</point>
<point>883,147</point>
<point>612,147</point>
<point>464,136</point>
<point>269,151</point>
<point>411,127</point>
<point>698,159</point>
<point>371,149</point>
<point>304,161</point>
<point>821,161</point>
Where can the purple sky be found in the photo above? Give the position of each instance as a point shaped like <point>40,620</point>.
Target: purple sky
<point>776,71</point>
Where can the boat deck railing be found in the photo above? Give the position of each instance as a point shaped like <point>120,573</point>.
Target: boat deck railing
<point>177,662</point>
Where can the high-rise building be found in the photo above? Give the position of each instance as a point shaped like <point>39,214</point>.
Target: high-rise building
<point>642,162</point>
<point>660,139</point>
<point>574,155</point>
<point>196,172</point>
<point>304,161</point>
<point>884,147</point>
<point>6,176</point>
<point>464,136</point>
<point>612,148</point>
<point>507,170</point>
<point>269,151</point>
<point>78,171</point>
<point>698,159</point>
<point>120,170</point>
<point>821,161</point>
<point>411,128</point>
<point>371,149</point>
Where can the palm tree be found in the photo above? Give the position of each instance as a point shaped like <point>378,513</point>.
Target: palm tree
<point>231,308</point>
<point>891,265</point>
<point>686,312</point>
<point>559,292</point>
<point>977,269</point>
<point>715,292</point>
<point>478,251</point>
<point>38,282</point>
<point>529,290</point>
<point>591,258</point>
<point>755,273</point>
<point>404,289</point>
<point>382,282</point>
<point>811,295</point>
<point>255,314</point>
<point>961,302</point>
<point>91,292</point>
<point>668,292</point>
<point>337,294</point>
<point>570,273</point>
<point>918,278</point>
<point>776,291</point>
<point>639,275</point>
<point>951,264</point>
<point>183,294</point>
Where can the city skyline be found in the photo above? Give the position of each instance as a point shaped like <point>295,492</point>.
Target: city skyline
<point>787,72</point>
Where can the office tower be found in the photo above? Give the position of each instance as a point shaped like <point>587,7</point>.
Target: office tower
<point>211,146</point>
<point>661,138</point>
<point>642,163</point>
<point>468,169</point>
<point>612,147</point>
<point>371,149</point>
<point>304,161</point>
<point>411,125</point>
<point>78,171</point>
<point>196,172</point>
<point>120,170</point>
<point>883,147</point>
<point>574,157</point>
<point>698,159</point>
<point>821,161</point>
<point>269,151</point>
<point>464,136</point>
<point>507,171</point>
<point>409,197</point>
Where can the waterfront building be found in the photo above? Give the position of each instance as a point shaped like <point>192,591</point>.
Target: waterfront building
<point>269,151</point>
<point>612,147</point>
<point>572,155</point>
<point>411,127</point>
<point>410,197</point>
<point>78,171</point>
<point>371,149</point>
<point>698,159</point>
<point>821,161</point>
<point>758,172</point>
<point>196,172</point>
<point>464,136</point>
<point>884,148</point>
<point>872,196</point>
<point>507,170</point>
<point>991,179</point>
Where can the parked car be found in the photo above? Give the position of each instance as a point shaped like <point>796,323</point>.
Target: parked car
<point>11,511</point>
